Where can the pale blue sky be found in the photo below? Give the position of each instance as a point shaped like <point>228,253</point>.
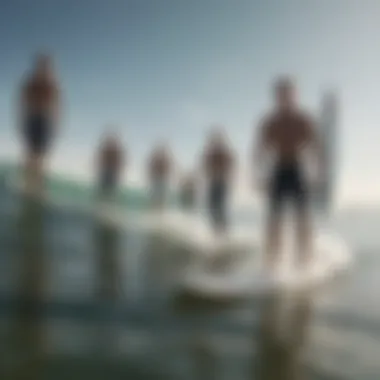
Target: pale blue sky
<point>169,68</point>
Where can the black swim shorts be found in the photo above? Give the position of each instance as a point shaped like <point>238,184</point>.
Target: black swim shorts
<point>37,133</point>
<point>288,183</point>
<point>217,202</point>
<point>108,181</point>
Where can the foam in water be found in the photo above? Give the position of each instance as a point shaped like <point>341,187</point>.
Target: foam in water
<point>194,231</point>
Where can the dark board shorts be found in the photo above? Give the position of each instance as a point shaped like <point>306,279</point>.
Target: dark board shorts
<point>288,183</point>
<point>37,133</point>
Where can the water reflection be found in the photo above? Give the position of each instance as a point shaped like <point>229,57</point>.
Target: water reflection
<point>107,240</point>
<point>282,337</point>
<point>162,261</point>
<point>27,341</point>
<point>198,316</point>
<point>200,343</point>
<point>205,363</point>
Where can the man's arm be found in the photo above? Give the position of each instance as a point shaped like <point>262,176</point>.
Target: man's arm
<point>231,164</point>
<point>260,148</point>
<point>21,105</point>
<point>123,159</point>
<point>56,111</point>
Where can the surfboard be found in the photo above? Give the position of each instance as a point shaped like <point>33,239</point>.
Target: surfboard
<point>247,276</point>
<point>193,231</point>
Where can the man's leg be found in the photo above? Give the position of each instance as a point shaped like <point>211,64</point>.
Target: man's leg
<point>40,173</point>
<point>273,239</point>
<point>304,237</point>
<point>214,206</point>
<point>222,207</point>
<point>303,223</point>
<point>277,192</point>
<point>158,194</point>
<point>32,173</point>
<point>107,186</point>
<point>153,194</point>
<point>27,171</point>
<point>161,193</point>
<point>29,157</point>
<point>39,140</point>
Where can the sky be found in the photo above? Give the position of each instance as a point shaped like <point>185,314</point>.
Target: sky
<point>169,69</point>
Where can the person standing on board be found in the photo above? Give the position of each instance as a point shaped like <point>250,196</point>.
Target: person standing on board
<point>285,134</point>
<point>218,163</point>
<point>110,163</point>
<point>160,166</point>
<point>39,114</point>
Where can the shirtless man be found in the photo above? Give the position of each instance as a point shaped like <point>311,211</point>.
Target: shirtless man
<point>286,133</point>
<point>159,170</point>
<point>39,111</point>
<point>218,163</point>
<point>110,162</point>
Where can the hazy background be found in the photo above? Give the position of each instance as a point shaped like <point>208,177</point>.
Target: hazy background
<point>169,68</point>
<point>105,301</point>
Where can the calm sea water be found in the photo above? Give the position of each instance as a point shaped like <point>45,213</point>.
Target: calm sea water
<point>80,299</point>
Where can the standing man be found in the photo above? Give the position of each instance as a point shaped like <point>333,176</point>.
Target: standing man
<point>285,133</point>
<point>218,163</point>
<point>110,163</point>
<point>160,167</point>
<point>39,113</point>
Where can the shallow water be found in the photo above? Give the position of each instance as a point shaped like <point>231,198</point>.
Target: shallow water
<point>81,299</point>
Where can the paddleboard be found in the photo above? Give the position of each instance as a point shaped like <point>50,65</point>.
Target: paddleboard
<point>247,275</point>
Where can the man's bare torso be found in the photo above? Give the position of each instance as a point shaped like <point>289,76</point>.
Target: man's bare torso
<point>111,157</point>
<point>287,134</point>
<point>40,96</point>
<point>218,162</point>
<point>159,166</point>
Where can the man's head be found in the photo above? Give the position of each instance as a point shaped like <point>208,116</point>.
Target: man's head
<point>161,147</point>
<point>111,137</point>
<point>217,136</point>
<point>285,93</point>
<point>43,66</point>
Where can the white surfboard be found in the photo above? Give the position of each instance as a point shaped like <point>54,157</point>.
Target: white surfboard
<point>247,275</point>
<point>193,231</point>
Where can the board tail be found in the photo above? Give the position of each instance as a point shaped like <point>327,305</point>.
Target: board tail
<point>329,137</point>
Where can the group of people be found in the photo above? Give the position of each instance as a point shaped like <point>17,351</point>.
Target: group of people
<point>282,136</point>
<point>217,166</point>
